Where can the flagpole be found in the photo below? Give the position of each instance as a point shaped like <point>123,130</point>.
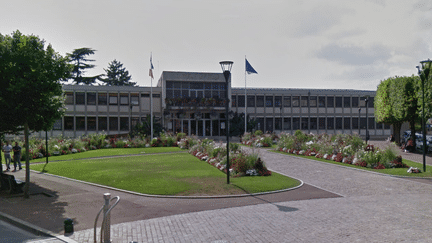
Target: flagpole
<point>151,98</point>
<point>245,100</point>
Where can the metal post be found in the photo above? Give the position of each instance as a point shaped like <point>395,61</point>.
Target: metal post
<point>424,127</point>
<point>106,226</point>
<point>359,121</point>
<point>227,75</point>
<point>367,119</point>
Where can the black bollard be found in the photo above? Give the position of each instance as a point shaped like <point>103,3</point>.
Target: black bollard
<point>68,226</point>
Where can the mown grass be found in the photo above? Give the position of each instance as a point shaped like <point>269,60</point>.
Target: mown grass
<point>108,152</point>
<point>392,171</point>
<point>163,174</point>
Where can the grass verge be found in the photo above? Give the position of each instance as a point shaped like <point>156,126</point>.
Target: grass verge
<point>164,174</point>
<point>393,171</point>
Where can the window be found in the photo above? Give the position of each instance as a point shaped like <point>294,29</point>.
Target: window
<point>386,126</point>
<point>322,123</point>
<point>269,101</point>
<point>185,85</point>
<point>80,123</point>
<point>296,123</point>
<point>134,100</point>
<point>330,123</point>
<point>91,123</point>
<point>371,102</point>
<point>321,101</point>
<point>278,101</point>
<point>102,98</point>
<point>80,98</point>
<point>124,99</point>
<point>57,125</point>
<point>354,121</point>
<point>295,101</point>
<point>251,101</point>
<point>304,123</point>
<point>379,125</point>
<point>156,95</point>
<point>260,124</point>
<point>240,101</point>
<point>260,101</point>
<point>113,123</point>
<point>313,123</point>
<point>278,123</point>
<point>269,124</point>
<point>304,101</point>
<point>287,123</point>
<point>102,123</point>
<point>338,123</point>
<point>91,98</point>
<point>371,123</point>
<point>169,85</point>
<point>347,102</point>
<point>347,123</point>
<point>124,123</point>
<point>330,101</point>
<point>362,123</point>
<point>313,101</point>
<point>69,123</point>
<point>287,101</point>
<point>169,94</point>
<point>355,102</point>
<point>233,101</point>
<point>338,101</point>
<point>113,99</point>
<point>69,98</point>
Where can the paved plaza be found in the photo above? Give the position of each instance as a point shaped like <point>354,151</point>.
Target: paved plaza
<point>344,205</point>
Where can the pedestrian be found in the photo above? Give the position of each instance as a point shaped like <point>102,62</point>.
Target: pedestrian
<point>7,149</point>
<point>17,156</point>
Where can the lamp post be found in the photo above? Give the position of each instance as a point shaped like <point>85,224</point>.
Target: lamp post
<point>367,119</point>
<point>359,121</point>
<point>226,69</point>
<point>424,74</point>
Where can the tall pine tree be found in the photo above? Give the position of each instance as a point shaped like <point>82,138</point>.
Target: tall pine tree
<point>117,75</point>
<point>79,60</point>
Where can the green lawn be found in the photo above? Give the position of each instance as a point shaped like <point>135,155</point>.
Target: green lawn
<point>108,152</point>
<point>393,171</point>
<point>163,174</point>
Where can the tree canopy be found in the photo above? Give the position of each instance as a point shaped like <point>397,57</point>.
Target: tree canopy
<point>31,94</point>
<point>117,75</point>
<point>80,64</point>
<point>396,102</point>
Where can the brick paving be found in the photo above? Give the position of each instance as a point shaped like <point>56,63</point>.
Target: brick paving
<point>374,208</point>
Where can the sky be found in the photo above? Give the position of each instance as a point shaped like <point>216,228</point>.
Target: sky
<point>332,44</point>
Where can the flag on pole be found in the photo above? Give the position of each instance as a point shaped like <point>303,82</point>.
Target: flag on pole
<point>151,67</point>
<point>249,68</point>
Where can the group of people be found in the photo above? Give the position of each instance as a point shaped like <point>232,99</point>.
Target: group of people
<point>7,149</point>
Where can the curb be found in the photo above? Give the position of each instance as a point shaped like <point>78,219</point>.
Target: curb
<point>33,228</point>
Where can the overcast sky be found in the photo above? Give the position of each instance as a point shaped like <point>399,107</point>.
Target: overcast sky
<point>291,43</point>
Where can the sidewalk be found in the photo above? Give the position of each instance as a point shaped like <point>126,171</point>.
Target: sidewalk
<point>53,199</point>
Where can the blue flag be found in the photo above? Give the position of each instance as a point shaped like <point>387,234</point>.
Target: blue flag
<point>249,68</point>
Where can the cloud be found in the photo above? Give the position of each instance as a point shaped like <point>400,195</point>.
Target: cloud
<point>354,55</point>
<point>348,33</point>
<point>379,2</point>
<point>314,21</point>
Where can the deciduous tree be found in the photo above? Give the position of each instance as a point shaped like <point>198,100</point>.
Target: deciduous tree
<point>31,94</point>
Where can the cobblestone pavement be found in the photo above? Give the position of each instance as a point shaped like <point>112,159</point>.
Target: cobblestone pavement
<point>373,208</point>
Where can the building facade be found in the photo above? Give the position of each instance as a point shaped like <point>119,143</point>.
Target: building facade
<point>194,103</point>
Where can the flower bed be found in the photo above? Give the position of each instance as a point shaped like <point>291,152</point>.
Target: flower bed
<point>241,163</point>
<point>343,148</point>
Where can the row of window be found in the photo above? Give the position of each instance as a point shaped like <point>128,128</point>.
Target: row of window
<point>103,123</point>
<point>93,98</point>
<point>301,101</point>
<point>180,85</point>
<point>320,123</point>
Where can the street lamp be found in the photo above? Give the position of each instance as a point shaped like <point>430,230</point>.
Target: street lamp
<point>226,69</point>
<point>367,119</point>
<point>424,74</point>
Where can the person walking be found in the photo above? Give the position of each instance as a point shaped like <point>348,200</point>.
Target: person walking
<point>17,156</point>
<point>7,149</point>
